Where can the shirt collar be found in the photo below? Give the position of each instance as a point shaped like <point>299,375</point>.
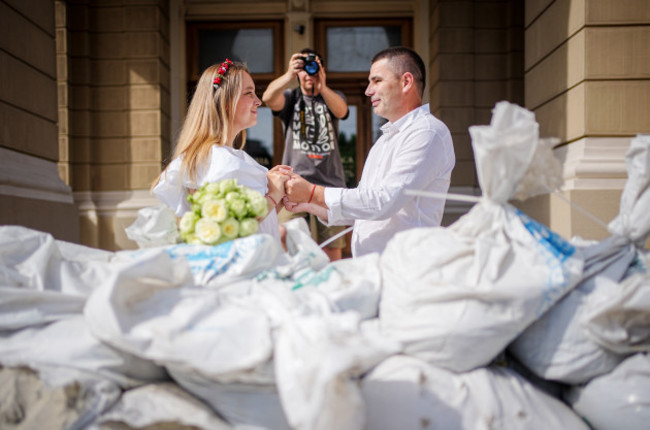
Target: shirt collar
<point>391,128</point>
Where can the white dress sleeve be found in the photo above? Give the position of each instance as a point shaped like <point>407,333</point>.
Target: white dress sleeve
<point>170,191</point>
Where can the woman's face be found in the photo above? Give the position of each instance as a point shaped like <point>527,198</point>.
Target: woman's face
<point>246,110</point>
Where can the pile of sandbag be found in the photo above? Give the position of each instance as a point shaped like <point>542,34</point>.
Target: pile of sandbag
<point>493,322</point>
<point>242,334</point>
<point>497,287</point>
<point>596,339</point>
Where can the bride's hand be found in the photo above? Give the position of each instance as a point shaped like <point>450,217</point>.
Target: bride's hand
<point>287,170</point>
<point>276,181</point>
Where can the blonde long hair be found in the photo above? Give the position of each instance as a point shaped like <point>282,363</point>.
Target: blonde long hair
<point>210,119</point>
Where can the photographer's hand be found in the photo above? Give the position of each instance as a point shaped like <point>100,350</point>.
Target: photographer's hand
<point>296,64</point>
<point>273,97</point>
<point>322,78</point>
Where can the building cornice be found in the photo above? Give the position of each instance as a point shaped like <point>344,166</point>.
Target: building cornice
<point>594,163</point>
<point>113,203</point>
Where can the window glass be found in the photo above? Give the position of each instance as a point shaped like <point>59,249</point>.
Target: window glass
<point>348,147</point>
<point>350,49</point>
<point>251,46</point>
<point>259,138</point>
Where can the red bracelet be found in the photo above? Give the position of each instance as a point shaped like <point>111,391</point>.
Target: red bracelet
<point>312,194</point>
<point>274,202</point>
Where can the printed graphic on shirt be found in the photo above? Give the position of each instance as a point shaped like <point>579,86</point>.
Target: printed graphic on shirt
<point>312,130</point>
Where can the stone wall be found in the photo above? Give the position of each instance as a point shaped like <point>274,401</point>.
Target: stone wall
<point>32,193</point>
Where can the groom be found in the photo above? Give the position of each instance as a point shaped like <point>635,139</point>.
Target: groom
<point>415,151</point>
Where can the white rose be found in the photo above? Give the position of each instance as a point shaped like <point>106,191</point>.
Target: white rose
<point>215,210</point>
<point>186,224</point>
<point>207,231</point>
<point>248,226</point>
<point>230,228</point>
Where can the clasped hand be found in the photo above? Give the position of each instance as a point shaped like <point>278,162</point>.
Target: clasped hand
<point>293,189</point>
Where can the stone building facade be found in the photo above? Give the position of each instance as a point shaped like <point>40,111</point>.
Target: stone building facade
<point>94,91</point>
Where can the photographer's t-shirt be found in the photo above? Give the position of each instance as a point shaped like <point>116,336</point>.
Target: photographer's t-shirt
<point>311,139</point>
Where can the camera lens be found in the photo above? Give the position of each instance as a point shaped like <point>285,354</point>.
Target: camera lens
<point>311,66</point>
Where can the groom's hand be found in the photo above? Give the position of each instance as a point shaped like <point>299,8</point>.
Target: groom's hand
<point>297,189</point>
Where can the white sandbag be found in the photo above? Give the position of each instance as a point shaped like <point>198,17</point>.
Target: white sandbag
<point>504,150</point>
<point>556,346</point>
<point>458,296</point>
<point>69,345</point>
<point>633,221</point>
<point>30,400</point>
<point>350,284</point>
<point>304,253</point>
<point>559,345</point>
<point>44,280</point>
<point>161,318</point>
<point>221,265</point>
<point>166,405</point>
<point>618,317</point>
<point>247,400</point>
<point>80,253</point>
<point>32,260</point>
<point>154,226</point>
<point>406,393</point>
<point>21,307</point>
<point>617,400</point>
<point>318,360</point>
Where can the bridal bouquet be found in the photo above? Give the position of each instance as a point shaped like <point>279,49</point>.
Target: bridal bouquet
<point>221,211</point>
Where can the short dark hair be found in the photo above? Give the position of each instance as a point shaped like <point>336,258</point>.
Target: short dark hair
<point>404,60</point>
<point>316,53</point>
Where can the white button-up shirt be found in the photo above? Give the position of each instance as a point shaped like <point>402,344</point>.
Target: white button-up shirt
<point>415,152</point>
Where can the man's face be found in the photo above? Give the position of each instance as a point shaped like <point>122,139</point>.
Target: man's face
<point>307,82</point>
<point>385,90</point>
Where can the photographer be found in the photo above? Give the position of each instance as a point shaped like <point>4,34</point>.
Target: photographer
<point>310,115</point>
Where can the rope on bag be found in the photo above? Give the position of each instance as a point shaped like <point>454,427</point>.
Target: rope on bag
<point>448,196</point>
<point>582,210</point>
<point>336,236</point>
<point>474,199</point>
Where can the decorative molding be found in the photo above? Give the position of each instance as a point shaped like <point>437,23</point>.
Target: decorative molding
<point>299,5</point>
<point>30,177</point>
<point>233,10</point>
<point>119,204</point>
<point>594,163</point>
<point>361,8</point>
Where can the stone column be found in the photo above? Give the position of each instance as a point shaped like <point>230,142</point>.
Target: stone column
<point>476,51</point>
<point>119,112</point>
<point>32,193</point>
<point>588,81</point>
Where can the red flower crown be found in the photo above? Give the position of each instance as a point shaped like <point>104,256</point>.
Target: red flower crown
<point>221,73</point>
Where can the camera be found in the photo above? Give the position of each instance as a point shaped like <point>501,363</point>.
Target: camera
<point>310,65</point>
